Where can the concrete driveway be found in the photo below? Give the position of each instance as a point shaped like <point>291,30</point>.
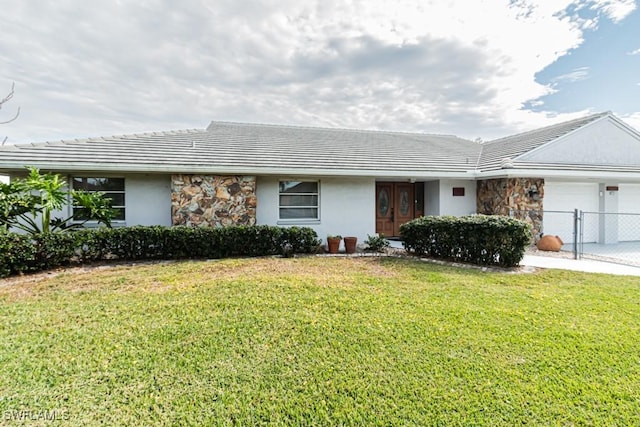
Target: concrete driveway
<point>586,265</point>
<point>565,261</point>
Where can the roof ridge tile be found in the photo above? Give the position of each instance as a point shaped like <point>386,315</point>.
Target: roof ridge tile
<point>329,129</point>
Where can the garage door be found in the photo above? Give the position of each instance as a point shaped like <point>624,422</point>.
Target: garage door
<point>629,203</point>
<point>560,198</point>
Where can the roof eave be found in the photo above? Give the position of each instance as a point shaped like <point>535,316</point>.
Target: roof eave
<point>239,170</point>
<point>589,175</point>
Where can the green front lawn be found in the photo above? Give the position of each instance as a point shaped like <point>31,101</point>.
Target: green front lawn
<point>320,341</point>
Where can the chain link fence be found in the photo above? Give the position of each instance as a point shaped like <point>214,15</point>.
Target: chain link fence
<point>612,237</point>
<point>556,223</point>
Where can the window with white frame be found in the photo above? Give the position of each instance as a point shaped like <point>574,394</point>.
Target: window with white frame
<point>113,188</point>
<point>299,200</point>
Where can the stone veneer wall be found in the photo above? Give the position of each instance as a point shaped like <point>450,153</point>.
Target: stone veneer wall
<point>213,201</point>
<point>500,196</point>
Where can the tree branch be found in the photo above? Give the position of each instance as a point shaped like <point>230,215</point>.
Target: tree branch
<point>7,99</point>
<point>9,96</point>
<point>14,117</point>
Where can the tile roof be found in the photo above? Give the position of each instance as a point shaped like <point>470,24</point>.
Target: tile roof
<point>254,148</point>
<point>243,148</point>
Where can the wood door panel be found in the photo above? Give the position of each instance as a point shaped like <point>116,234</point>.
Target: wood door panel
<point>384,209</point>
<point>402,205</point>
<point>395,205</point>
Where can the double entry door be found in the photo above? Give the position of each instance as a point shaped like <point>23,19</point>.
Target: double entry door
<point>396,203</point>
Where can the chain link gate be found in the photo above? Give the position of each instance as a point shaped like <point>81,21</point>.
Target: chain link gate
<point>564,224</point>
<point>611,237</point>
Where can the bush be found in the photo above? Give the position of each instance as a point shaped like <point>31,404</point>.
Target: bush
<point>17,252</point>
<point>22,253</point>
<point>376,243</point>
<point>303,240</point>
<point>476,239</point>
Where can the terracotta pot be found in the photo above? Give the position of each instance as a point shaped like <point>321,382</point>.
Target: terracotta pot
<point>334,244</point>
<point>350,244</point>
<point>550,243</point>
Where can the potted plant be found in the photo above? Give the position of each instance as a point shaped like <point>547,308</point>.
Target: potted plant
<point>333,242</point>
<point>350,244</point>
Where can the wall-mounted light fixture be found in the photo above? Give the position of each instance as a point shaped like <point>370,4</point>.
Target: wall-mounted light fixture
<point>533,193</point>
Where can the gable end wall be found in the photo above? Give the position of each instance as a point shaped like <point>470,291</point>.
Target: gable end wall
<point>601,143</point>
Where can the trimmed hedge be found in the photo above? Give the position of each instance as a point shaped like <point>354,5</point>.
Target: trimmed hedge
<point>24,253</point>
<point>476,239</point>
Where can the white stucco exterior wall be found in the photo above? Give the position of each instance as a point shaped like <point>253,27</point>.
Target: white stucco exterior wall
<point>439,198</point>
<point>608,226</point>
<point>347,206</point>
<point>458,205</point>
<point>432,198</point>
<point>148,199</point>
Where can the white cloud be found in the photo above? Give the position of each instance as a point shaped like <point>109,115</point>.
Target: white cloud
<point>456,67</point>
<point>634,52</point>
<point>576,75</point>
<point>632,119</point>
<point>616,10</point>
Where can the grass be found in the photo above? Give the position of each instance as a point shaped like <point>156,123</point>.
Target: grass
<point>320,341</point>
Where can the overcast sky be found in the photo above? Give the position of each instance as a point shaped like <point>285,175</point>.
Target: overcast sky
<point>472,68</point>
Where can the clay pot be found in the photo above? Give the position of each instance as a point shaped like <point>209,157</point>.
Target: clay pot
<point>350,244</point>
<point>550,243</point>
<point>334,244</point>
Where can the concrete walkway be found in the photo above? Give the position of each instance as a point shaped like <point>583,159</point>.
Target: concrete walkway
<point>586,265</point>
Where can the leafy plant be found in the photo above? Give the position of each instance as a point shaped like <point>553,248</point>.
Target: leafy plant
<point>376,243</point>
<point>13,203</point>
<point>29,204</point>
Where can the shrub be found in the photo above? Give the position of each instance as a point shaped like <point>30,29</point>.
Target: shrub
<point>22,253</point>
<point>16,253</point>
<point>376,243</point>
<point>476,239</point>
<point>299,240</point>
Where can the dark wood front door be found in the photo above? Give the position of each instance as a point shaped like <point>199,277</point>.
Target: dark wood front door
<point>402,206</point>
<point>384,208</point>
<point>396,204</point>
